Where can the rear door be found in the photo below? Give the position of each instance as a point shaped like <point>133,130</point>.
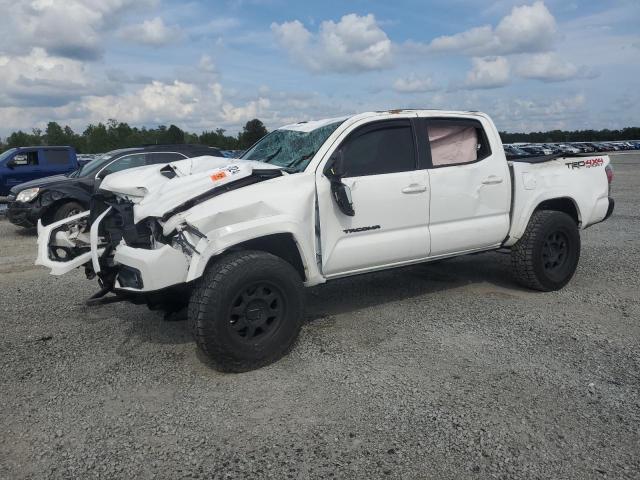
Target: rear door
<point>390,198</point>
<point>470,185</point>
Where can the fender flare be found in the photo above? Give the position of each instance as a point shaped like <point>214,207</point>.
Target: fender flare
<point>222,240</point>
<point>519,225</point>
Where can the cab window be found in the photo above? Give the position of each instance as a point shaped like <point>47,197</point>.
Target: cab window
<point>123,163</point>
<point>57,157</point>
<point>25,159</point>
<point>387,147</point>
<point>454,142</point>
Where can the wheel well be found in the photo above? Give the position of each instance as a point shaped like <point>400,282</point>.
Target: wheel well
<point>47,216</point>
<point>281,245</point>
<point>565,205</point>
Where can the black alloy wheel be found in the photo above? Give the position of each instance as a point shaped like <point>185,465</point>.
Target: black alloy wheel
<point>257,312</point>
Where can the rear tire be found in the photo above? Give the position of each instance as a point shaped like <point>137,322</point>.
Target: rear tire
<point>546,257</point>
<point>67,210</point>
<point>246,311</point>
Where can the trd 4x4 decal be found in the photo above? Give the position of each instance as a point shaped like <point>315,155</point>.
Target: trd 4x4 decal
<point>591,162</point>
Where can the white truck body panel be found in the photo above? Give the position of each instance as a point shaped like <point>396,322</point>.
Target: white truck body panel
<point>401,218</point>
<point>536,183</point>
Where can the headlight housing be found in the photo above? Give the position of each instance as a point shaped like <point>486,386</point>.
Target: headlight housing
<point>27,195</point>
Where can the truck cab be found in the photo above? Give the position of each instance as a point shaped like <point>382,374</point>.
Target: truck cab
<point>23,164</point>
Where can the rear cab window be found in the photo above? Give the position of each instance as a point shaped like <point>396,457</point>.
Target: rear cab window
<point>56,157</point>
<point>456,141</point>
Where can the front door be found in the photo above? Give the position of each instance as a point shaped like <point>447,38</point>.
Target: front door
<point>390,198</point>
<point>26,166</point>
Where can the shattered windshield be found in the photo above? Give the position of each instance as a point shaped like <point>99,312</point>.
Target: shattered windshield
<point>291,149</point>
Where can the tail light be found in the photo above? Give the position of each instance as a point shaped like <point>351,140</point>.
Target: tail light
<point>609,171</point>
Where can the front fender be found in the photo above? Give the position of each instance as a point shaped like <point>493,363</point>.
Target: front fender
<point>222,239</point>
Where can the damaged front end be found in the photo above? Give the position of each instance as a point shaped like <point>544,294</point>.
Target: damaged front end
<point>124,255</point>
<point>131,244</point>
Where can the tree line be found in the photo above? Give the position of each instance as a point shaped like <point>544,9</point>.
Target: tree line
<point>555,136</point>
<point>102,137</point>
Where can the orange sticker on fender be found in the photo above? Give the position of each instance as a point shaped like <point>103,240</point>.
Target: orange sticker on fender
<point>218,176</point>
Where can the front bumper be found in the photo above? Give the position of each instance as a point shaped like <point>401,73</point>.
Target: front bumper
<point>132,269</point>
<point>155,269</point>
<point>23,214</point>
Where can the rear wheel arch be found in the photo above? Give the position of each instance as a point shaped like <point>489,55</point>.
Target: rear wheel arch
<point>561,204</point>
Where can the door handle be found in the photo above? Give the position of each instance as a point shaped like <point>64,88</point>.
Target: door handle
<point>492,180</point>
<point>414,188</point>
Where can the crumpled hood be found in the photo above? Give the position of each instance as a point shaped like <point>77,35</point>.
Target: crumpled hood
<point>157,189</point>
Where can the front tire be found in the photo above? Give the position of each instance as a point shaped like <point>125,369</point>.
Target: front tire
<point>67,210</point>
<point>546,257</point>
<point>246,311</point>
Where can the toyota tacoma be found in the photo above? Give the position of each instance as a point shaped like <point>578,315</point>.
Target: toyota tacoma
<point>236,240</point>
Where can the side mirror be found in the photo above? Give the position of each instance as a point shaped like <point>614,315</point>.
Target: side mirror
<point>335,168</point>
<point>342,196</point>
<point>341,192</point>
<point>11,164</point>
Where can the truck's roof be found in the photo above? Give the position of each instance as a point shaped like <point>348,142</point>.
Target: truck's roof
<point>50,147</point>
<point>310,125</point>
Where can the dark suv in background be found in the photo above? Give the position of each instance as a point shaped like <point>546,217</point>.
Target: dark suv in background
<point>54,198</point>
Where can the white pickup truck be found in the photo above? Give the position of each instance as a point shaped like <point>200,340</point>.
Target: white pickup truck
<point>236,240</point>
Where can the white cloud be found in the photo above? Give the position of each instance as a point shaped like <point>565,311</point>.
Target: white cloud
<point>527,29</point>
<point>152,32</point>
<point>414,84</point>
<point>554,110</point>
<point>190,105</point>
<point>67,28</point>
<point>354,44</point>
<point>489,72</point>
<point>155,102</point>
<point>253,109</point>
<point>206,64</point>
<point>41,79</point>
<point>547,67</point>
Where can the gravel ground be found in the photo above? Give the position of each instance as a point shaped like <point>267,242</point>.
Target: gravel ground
<point>434,371</point>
